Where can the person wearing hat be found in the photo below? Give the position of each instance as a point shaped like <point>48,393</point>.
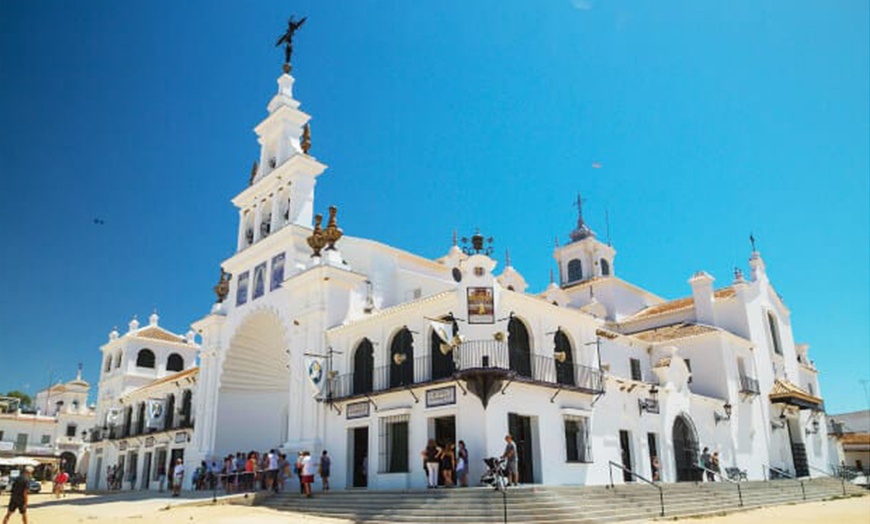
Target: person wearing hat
<point>18,496</point>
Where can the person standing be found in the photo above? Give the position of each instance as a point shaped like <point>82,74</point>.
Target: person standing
<point>705,463</point>
<point>60,483</point>
<point>18,496</point>
<point>177,477</point>
<point>462,464</point>
<point>448,462</point>
<point>714,464</point>
<point>510,455</point>
<point>298,469</point>
<point>325,466</point>
<point>432,456</point>
<point>307,473</point>
<point>161,476</point>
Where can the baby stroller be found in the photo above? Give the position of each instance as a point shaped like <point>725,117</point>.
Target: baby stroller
<point>496,474</point>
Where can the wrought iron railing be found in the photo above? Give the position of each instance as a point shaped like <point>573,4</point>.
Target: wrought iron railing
<point>472,354</point>
<point>628,474</point>
<point>749,385</point>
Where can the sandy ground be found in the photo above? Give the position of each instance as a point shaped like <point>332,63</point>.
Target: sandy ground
<point>136,509</point>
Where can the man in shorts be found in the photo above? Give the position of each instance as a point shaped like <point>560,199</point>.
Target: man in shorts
<point>18,496</point>
<point>510,454</point>
<point>177,477</point>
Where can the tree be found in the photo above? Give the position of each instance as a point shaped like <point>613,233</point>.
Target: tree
<point>24,397</point>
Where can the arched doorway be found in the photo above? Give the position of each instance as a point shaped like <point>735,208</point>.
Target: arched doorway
<point>254,387</point>
<point>685,450</point>
<point>441,362</point>
<point>519,348</point>
<point>363,367</point>
<point>68,462</point>
<point>564,359</point>
<point>402,359</point>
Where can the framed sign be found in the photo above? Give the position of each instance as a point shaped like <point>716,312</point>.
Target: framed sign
<point>259,281</point>
<point>242,290</point>
<point>122,446</point>
<point>440,396</point>
<point>99,451</point>
<point>357,410</point>
<point>180,438</point>
<point>277,272</point>
<point>481,306</point>
<point>149,442</point>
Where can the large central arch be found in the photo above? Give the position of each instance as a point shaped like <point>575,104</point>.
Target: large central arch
<point>685,440</point>
<point>254,393</point>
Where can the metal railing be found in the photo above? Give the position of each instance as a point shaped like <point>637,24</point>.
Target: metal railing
<point>749,385</point>
<point>825,473</point>
<point>725,479</point>
<point>472,354</point>
<point>782,474</point>
<point>635,475</point>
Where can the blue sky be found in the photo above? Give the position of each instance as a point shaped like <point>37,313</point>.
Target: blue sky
<point>710,121</point>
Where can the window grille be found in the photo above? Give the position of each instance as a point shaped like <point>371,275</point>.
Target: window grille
<point>635,369</point>
<point>577,444</point>
<point>393,444</point>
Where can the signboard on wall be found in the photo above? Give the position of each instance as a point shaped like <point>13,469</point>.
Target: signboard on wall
<point>149,442</point>
<point>122,446</point>
<point>242,291</point>
<point>180,438</point>
<point>481,305</point>
<point>440,396</point>
<point>259,281</point>
<point>357,410</point>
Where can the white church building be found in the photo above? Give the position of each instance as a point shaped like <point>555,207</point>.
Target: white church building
<point>321,340</point>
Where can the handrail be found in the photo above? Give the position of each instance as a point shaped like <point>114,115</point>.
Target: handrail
<point>842,480</point>
<point>780,471</point>
<point>651,483</point>
<point>726,479</point>
<point>785,474</point>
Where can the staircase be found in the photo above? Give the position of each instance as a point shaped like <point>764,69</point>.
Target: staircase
<point>799,455</point>
<point>556,504</point>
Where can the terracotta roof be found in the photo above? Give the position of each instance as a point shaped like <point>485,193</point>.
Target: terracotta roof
<point>169,378</point>
<point>679,304</point>
<point>156,333</point>
<point>783,390</point>
<point>673,332</point>
<point>855,438</point>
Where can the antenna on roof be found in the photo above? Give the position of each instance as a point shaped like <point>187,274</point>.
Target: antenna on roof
<point>752,241</point>
<point>607,225</point>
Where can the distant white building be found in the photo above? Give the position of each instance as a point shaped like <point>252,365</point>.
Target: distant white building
<point>850,440</point>
<point>321,340</point>
<point>54,431</point>
<point>144,417</point>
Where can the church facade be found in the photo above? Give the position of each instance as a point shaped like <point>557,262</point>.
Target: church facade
<point>320,340</point>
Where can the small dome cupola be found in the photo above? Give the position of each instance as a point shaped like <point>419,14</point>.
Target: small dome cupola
<point>582,231</point>
<point>584,257</point>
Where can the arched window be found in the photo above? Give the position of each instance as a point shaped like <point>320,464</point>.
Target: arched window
<point>363,367</point>
<point>174,362</point>
<point>519,348</point>
<point>605,267</point>
<point>108,363</point>
<point>169,413</point>
<point>564,359</point>
<point>402,359</point>
<point>774,333</point>
<point>441,362</point>
<point>575,270</point>
<point>145,359</point>
<point>128,422</point>
<point>118,361</point>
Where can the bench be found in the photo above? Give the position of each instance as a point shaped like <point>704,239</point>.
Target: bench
<point>735,474</point>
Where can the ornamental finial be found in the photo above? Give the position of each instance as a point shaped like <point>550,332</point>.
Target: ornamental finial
<point>287,39</point>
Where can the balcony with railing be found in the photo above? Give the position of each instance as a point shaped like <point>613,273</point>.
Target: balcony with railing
<point>472,355</point>
<point>749,385</point>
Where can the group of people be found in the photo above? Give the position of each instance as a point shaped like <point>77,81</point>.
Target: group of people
<point>710,463</point>
<point>448,460</point>
<point>268,471</point>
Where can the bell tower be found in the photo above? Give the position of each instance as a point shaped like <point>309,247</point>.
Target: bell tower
<point>584,257</point>
<point>281,184</point>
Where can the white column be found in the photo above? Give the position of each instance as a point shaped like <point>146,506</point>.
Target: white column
<point>277,219</point>
<point>242,219</point>
<point>258,216</point>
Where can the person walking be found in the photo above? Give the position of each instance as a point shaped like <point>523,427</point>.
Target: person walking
<point>462,464</point>
<point>510,455</point>
<point>432,456</point>
<point>298,469</point>
<point>177,477</point>
<point>18,496</point>
<point>325,466</point>
<point>60,483</point>
<point>714,464</point>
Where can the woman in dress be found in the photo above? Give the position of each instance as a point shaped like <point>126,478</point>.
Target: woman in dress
<point>448,463</point>
<point>462,464</point>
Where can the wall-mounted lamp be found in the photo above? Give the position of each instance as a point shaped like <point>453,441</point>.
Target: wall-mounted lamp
<point>651,404</point>
<point>723,418</point>
<point>815,427</point>
<point>777,424</point>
